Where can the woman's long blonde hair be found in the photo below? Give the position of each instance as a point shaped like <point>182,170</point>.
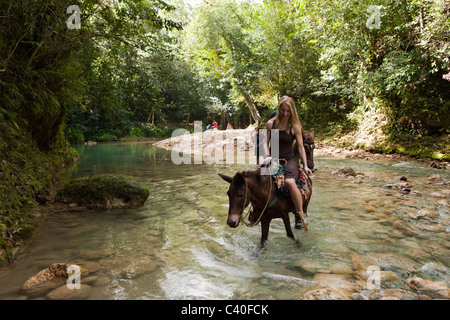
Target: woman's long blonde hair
<point>294,116</point>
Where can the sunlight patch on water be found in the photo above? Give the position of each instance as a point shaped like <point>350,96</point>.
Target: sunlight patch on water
<point>188,284</point>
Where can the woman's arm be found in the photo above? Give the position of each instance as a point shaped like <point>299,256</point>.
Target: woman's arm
<point>267,136</point>
<point>301,149</point>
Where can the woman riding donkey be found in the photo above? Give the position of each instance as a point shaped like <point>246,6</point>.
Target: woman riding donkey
<point>290,129</point>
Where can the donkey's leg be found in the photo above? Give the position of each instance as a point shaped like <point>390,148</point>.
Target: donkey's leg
<point>287,225</point>
<point>298,222</point>
<point>265,224</point>
<point>305,206</point>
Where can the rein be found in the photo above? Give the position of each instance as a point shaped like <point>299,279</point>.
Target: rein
<point>265,207</point>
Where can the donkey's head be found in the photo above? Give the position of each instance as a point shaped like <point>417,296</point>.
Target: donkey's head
<point>308,144</point>
<point>237,195</point>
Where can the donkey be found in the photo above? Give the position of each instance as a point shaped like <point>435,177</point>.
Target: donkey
<point>252,187</point>
<point>260,190</point>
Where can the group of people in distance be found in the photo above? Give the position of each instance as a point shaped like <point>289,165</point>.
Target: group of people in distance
<point>216,127</point>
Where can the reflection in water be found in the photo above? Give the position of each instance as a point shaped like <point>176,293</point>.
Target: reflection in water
<point>177,246</point>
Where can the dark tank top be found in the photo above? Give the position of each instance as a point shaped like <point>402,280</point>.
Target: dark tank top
<point>285,143</point>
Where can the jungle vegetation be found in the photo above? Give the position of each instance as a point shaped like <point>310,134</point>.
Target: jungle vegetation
<point>370,76</point>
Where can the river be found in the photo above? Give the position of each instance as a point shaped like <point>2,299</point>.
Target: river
<point>178,246</point>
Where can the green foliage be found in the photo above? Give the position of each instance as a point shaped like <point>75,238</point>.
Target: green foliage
<point>106,137</point>
<point>47,71</point>
<point>25,171</point>
<point>336,65</point>
<point>75,136</point>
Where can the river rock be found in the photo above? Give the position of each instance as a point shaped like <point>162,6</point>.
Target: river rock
<point>438,195</point>
<point>402,264</point>
<point>46,280</point>
<point>341,281</point>
<point>326,293</point>
<point>64,293</point>
<point>431,288</point>
<point>398,294</point>
<point>94,254</point>
<point>432,228</point>
<point>436,269</point>
<point>91,280</point>
<point>424,214</point>
<point>307,266</point>
<point>91,266</point>
<point>132,268</point>
<point>386,276</point>
<point>346,171</point>
<point>102,281</point>
<point>81,230</point>
<point>435,178</point>
<point>443,203</point>
<point>406,228</point>
<point>104,192</point>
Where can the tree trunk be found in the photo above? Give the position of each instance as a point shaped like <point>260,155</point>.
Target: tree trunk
<point>151,117</point>
<point>251,105</point>
<point>222,120</point>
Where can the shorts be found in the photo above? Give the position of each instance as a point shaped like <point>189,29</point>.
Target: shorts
<point>291,169</point>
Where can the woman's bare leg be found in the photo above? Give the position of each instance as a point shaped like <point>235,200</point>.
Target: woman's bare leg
<point>296,197</point>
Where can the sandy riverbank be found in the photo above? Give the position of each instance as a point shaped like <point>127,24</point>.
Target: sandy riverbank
<point>214,140</point>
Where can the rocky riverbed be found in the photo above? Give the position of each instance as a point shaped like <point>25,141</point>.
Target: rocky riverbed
<point>385,237</point>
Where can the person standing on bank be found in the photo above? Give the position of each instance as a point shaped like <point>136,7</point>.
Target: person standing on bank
<point>290,129</point>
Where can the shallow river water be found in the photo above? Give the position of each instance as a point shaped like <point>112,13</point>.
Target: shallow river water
<point>178,246</point>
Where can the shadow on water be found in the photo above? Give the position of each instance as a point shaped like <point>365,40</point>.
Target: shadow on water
<point>178,246</point>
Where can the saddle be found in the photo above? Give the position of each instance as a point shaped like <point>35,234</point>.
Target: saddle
<point>276,170</point>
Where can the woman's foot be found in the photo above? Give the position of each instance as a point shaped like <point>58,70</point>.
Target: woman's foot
<point>301,221</point>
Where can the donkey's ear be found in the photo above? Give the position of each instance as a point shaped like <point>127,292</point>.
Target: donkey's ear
<point>313,132</point>
<point>239,178</point>
<point>226,178</point>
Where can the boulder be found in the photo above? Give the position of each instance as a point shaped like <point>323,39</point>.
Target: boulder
<point>431,288</point>
<point>127,268</point>
<point>385,276</point>
<point>326,293</point>
<point>425,213</point>
<point>346,171</point>
<point>398,293</point>
<point>406,228</point>
<point>64,293</point>
<point>337,281</point>
<point>104,191</point>
<point>47,280</point>
<point>94,254</point>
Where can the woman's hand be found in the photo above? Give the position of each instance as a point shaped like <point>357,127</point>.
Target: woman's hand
<point>308,171</point>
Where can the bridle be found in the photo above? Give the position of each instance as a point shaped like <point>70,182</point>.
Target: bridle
<point>265,207</point>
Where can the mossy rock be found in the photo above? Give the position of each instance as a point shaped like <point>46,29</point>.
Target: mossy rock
<point>104,191</point>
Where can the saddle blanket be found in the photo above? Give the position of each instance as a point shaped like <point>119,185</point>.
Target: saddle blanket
<point>303,183</point>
